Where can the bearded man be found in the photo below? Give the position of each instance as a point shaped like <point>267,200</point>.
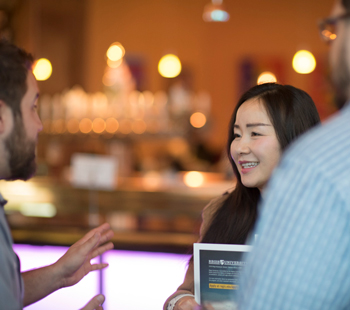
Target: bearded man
<point>19,128</point>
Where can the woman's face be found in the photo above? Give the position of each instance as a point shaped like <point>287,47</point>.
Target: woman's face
<point>255,149</point>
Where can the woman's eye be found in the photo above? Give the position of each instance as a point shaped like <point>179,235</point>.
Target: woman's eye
<point>254,134</point>
<point>236,135</point>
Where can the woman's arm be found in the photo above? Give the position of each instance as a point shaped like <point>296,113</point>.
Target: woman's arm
<point>187,287</point>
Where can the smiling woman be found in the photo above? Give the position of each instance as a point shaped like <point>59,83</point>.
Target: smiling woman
<point>255,148</point>
<point>267,118</point>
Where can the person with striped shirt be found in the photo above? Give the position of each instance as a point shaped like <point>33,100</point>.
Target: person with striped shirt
<point>301,259</point>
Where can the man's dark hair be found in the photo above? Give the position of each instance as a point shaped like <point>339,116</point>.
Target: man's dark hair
<point>346,4</point>
<point>14,66</point>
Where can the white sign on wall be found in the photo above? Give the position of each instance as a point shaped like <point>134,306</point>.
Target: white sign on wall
<point>94,171</point>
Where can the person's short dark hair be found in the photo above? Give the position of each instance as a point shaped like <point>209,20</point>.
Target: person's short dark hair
<point>346,4</point>
<point>14,66</point>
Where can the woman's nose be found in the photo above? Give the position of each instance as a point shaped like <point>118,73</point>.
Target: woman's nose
<point>243,146</point>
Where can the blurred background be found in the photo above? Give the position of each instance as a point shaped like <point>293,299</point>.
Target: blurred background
<point>136,138</point>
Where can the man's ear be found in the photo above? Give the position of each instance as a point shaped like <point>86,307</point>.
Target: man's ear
<point>5,116</point>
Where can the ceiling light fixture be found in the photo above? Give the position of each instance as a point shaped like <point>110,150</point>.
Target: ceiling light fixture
<point>215,12</point>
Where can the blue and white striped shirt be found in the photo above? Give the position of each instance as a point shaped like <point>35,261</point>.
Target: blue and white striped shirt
<point>301,259</point>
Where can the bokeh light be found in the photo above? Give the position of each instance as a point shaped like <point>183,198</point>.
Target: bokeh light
<point>85,125</point>
<point>73,125</point>
<point>139,127</point>
<point>215,12</point>
<point>112,125</point>
<point>115,52</point>
<point>304,62</point>
<point>329,35</point>
<point>98,125</point>
<point>198,120</point>
<point>169,66</point>
<point>108,79</point>
<point>193,179</point>
<point>125,126</point>
<point>153,126</point>
<point>266,77</point>
<point>178,147</point>
<point>42,69</point>
<point>152,180</point>
<point>46,125</point>
<point>59,126</point>
<point>114,64</point>
<point>218,16</point>
<point>36,209</point>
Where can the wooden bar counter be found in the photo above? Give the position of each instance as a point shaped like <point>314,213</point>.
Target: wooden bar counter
<point>45,211</point>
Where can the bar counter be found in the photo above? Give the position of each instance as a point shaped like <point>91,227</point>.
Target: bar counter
<point>144,218</point>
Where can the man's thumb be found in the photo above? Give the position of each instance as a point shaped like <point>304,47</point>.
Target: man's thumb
<point>94,303</point>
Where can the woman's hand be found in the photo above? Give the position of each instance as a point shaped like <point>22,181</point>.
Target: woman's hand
<point>186,303</point>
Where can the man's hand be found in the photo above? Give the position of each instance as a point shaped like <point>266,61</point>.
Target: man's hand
<point>75,263</point>
<point>95,303</point>
<point>70,268</point>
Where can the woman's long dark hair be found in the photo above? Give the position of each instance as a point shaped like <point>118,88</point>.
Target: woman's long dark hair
<point>292,112</point>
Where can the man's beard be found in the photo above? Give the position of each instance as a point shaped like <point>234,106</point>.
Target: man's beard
<point>21,152</point>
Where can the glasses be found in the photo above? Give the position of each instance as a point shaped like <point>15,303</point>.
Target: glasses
<point>328,27</point>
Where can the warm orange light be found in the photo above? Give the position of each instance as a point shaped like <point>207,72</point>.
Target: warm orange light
<point>125,126</point>
<point>73,125</point>
<point>98,125</point>
<point>42,69</point>
<point>46,125</point>
<point>59,126</point>
<point>169,66</point>
<point>153,126</point>
<point>193,179</point>
<point>178,147</point>
<point>152,180</point>
<point>160,98</point>
<point>108,79</point>
<point>112,125</point>
<point>85,125</point>
<point>114,64</point>
<point>304,62</point>
<point>266,77</point>
<point>139,127</point>
<point>331,36</point>
<point>198,120</point>
<point>148,98</point>
<point>115,52</point>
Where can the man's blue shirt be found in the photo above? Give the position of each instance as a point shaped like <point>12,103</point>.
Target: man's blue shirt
<point>301,259</point>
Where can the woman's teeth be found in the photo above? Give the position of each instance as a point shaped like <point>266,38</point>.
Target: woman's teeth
<point>249,165</point>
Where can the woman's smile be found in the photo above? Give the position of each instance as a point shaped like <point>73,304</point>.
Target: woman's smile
<point>247,166</point>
